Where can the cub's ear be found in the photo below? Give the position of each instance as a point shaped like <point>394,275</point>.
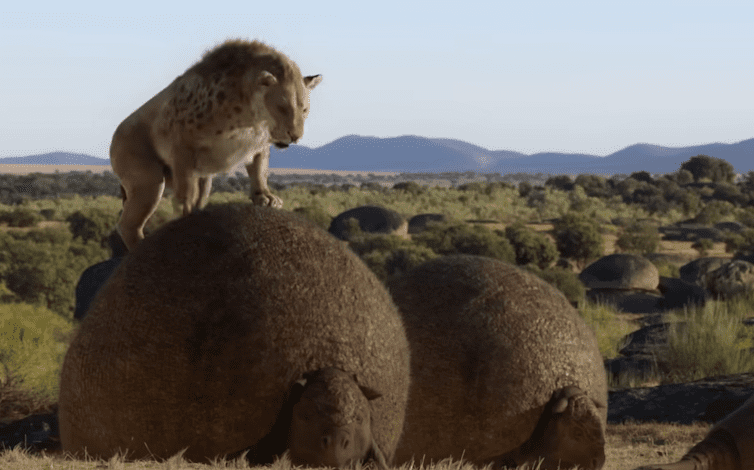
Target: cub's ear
<point>312,80</point>
<point>266,79</point>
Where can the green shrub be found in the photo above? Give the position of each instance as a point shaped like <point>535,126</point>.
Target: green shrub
<point>525,188</point>
<point>561,182</point>
<point>638,238</point>
<point>48,214</point>
<point>746,216</point>
<point>531,246</point>
<point>42,267</point>
<point>21,217</point>
<point>703,245</point>
<point>446,239</point>
<point>578,237</point>
<point>389,255</point>
<point>411,187</point>
<point>607,327</point>
<point>666,268</point>
<point>371,186</point>
<point>742,242</point>
<point>714,212</point>
<point>473,186</point>
<point>33,341</point>
<point>92,224</point>
<point>714,342</point>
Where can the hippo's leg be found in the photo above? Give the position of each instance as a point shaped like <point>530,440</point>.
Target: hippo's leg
<point>569,432</point>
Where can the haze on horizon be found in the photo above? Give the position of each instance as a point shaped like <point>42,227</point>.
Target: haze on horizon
<point>581,76</point>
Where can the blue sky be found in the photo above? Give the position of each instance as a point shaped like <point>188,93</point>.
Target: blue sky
<point>572,76</point>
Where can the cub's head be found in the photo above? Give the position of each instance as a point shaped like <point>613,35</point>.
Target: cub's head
<point>286,102</point>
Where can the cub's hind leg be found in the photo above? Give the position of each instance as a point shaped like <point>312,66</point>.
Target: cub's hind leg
<point>142,178</point>
<point>205,186</point>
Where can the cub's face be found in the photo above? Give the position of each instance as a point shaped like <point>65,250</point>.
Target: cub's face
<point>288,105</point>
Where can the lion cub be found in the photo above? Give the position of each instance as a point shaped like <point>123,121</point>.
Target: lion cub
<point>229,107</point>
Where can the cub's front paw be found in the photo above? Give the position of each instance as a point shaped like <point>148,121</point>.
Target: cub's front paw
<point>266,198</point>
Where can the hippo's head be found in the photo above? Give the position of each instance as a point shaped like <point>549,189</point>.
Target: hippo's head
<point>331,423</point>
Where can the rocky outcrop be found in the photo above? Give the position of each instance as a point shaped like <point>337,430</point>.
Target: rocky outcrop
<point>707,400</point>
<point>731,279</point>
<point>695,271</point>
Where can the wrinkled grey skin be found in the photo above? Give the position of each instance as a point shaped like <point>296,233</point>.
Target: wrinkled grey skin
<point>331,424</point>
<point>728,446</point>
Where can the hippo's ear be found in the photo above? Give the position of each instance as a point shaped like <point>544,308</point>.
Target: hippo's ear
<point>370,393</point>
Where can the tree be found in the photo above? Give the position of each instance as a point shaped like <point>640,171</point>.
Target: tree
<point>683,176</point>
<point>531,246</point>
<point>706,167</point>
<point>93,224</point>
<point>447,239</point>
<point>524,188</point>
<point>639,238</point>
<point>411,187</point>
<point>578,237</point>
<point>561,182</point>
<point>714,212</point>
<point>594,185</point>
<point>642,176</point>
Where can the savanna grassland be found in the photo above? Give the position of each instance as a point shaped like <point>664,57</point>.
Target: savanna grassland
<point>49,235</point>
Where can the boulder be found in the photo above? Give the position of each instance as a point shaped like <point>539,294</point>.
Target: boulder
<point>371,219</point>
<point>621,271</point>
<point>677,293</point>
<point>695,271</point>
<point>733,227</point>
<point>731,279</point>
<point>707,400</point>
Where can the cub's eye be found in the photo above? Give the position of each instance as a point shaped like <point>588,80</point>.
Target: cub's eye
<point>283,110</point>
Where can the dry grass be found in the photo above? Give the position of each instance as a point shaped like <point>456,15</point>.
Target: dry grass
<point>26,169</point>
<point>668,247</point>
<point>628,446</point>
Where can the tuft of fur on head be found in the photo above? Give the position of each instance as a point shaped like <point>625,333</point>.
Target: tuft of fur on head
<point>235,56</point>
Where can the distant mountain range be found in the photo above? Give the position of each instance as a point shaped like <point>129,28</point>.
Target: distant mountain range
<point>413,154</point>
